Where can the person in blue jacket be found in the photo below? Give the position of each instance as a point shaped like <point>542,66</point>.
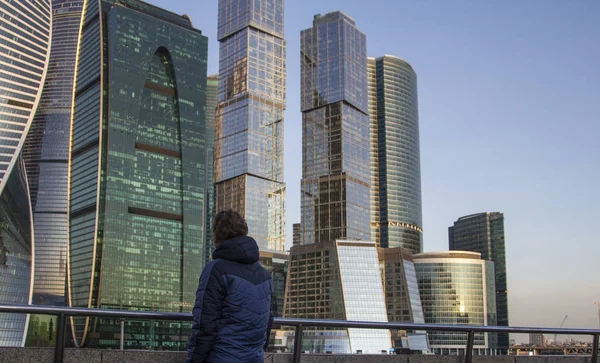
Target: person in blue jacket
<point>232,313</point>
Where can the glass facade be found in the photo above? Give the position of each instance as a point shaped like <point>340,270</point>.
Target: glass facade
<point>454,290</point>
<point>337,280</point>
<point>137,193</point>
<point>396,215</point>
<point>16,260</point>
<point>46,155</point>
<point>249,117</point>
<point>484,233</point>
<point>335,131</point>
<point>25,31</point>
<point>363,295</point>
<point>212,90</point>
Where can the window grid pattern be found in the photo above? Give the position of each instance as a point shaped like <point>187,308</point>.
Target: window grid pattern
<point>24,50</point>
<point>249,117</point>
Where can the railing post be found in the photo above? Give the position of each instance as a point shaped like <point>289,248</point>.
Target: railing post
<point>297,344</point>
<point>59,347</point>
<point>122,334</point>
<point>469,351</point>
<point>595,348</point>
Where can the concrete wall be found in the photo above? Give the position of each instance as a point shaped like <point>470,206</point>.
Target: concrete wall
<point>44,355</point>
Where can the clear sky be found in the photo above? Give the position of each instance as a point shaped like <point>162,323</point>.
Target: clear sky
<point>509,101</point>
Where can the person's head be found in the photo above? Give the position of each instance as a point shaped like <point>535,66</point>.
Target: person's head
<point>228,224</point>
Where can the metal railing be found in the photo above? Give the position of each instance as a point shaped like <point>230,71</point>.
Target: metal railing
<point>62,313</point>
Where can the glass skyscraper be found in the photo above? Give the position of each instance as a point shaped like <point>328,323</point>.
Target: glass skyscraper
<point>249,121</point>
<point>212,91</point>
<point>456,288</point>
<point>335,131</point>
<point>25,28</point>
<point>137,166</point>
<point>484,233</point>
<point>46,155</point>
<point>396,213</point>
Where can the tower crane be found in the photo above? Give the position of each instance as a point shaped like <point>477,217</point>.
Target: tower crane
<point>560,327</point>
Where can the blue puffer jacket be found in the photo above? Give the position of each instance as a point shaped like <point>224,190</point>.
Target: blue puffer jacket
<point>232,313</point>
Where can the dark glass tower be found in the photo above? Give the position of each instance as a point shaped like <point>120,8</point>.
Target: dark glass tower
<point>396,215</point>
<point>137,166</point>
<point>484,233</point>
<point>335,131</point>
<point>212,92</point>
<point>249,123</point>
<point>25,28</point>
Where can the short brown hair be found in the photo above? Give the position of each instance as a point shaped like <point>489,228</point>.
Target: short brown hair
<point>228,224</point>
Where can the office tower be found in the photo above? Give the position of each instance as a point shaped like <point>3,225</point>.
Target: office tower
<point>249,121</point>
<point>46,155</point>
<point>277,264</point>
<point>297,234</point>
<point>212,91</point>
<point>334,270</point>
<point>537,340</point>
<point>25,28</point>
<point>457,288</point>
<point>335,131</point>
<point>484,233</point>
<point>402,298</point>
<point>341,281</point>
<point>396,213</point>
<point>137,166</point>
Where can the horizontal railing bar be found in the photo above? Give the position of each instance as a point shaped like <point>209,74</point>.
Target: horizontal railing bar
<point>294,322</point>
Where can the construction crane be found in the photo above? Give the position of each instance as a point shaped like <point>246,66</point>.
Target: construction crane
<point>560,327</point>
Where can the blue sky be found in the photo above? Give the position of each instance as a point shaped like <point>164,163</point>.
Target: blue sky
<point>509,105</point>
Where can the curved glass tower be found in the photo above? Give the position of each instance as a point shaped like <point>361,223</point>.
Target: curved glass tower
<point>457,288</point>
<point>25,31</point>
<point>396,216</point>
<point>46,155</point>
<point>137,162</point>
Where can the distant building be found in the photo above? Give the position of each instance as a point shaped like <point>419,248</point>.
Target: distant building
<point>401,289</point>
<point>457,288</point>
<point>537,340</point>
<point>137,188</point>
<point>337,280</point>
<point>396,212</point>
<point>212,91</point>
<point>25,27</point>
<point>297,234</point>
<point>484,233</point>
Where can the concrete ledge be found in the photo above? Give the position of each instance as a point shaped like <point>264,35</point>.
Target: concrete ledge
<point>46,355</point>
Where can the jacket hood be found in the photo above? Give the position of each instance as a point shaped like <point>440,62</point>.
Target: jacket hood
<point>242,249</point>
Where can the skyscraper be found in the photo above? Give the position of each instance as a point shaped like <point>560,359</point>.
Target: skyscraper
<point>137,166</point>
<point>484,233</point>
<point>335,131</point>
<point>334,270</point>
<point>249,122</point>
<point>25,28</point>
<point>212,91</point>
<point>46,155</point>
<point>396,213</point>
<point>457,288</point>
